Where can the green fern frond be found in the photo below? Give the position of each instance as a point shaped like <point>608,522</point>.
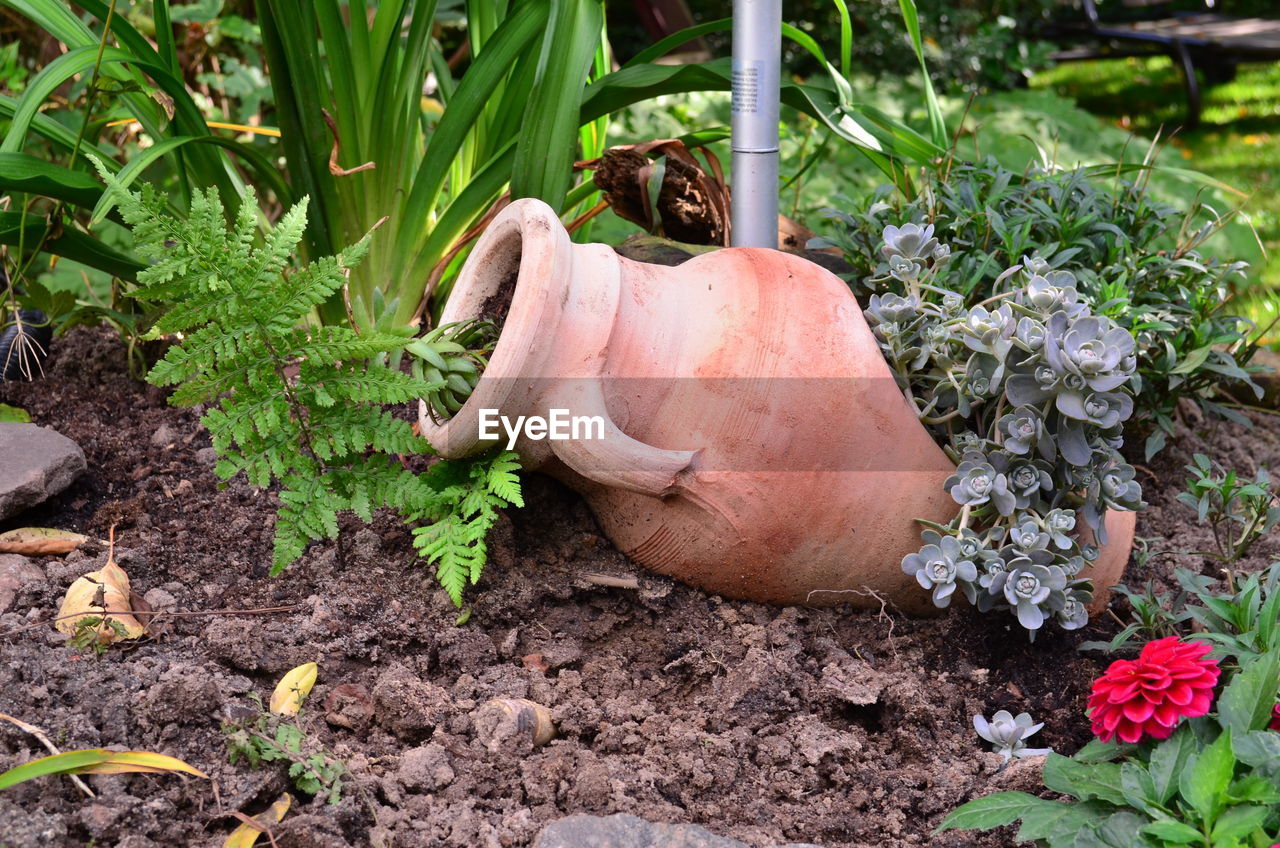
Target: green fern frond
<point>304,407</point>
<point>457,549</point>
<point>502,480</point>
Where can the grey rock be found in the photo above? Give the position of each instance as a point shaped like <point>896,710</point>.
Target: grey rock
<point>207,456</point>
<point>16,572</point>
<point>35,463</point>
<point>624,831</point>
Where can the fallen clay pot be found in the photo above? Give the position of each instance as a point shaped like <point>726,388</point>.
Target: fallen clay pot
<point>752,440</point>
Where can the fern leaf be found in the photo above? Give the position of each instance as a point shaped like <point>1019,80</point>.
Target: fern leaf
<point>501,478</point>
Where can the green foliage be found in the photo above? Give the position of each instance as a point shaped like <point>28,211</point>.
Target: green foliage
<point>434,174</point>
<point>1243,621</point>
<point>321,432</point>
<point>1135,259</point>
<point>1239,510</point>
<point>262,737</point>
<point>452,355</point>
<point>95,633</point>
<point>973,46</point>
<point>1027,391</point>
<point>454,538</point>
<point>13,414</point>
<point>1236,142</point>
<point>1214,783</point>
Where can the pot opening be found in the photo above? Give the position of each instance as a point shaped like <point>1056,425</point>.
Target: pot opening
<point>462,346</point>
<point>497,305</point>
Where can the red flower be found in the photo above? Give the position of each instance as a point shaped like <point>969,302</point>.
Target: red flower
<point>1275,719</point>
<point>1148,696</point>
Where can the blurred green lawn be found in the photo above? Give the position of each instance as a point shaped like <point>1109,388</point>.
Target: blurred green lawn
<point>1237,142</point>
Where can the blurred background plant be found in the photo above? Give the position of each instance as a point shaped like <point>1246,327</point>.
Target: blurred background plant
<point>427,114</point>
<point>185,94</point>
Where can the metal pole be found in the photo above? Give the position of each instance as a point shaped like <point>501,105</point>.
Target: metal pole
<point>757,60</point>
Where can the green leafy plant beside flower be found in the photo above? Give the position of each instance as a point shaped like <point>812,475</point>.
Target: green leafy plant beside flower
<point>1239,510</point>
<point>1242,621</point>
<point>1188,754</point>
<point>1027,391</point>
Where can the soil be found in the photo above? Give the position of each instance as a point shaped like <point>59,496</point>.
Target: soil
<point>837,727</point>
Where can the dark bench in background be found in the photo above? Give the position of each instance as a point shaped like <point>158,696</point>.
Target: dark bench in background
<point>1210,42</point>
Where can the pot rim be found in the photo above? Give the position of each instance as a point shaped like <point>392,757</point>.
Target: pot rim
<point>526,239</point>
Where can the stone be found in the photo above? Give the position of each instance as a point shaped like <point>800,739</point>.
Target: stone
<point>625,831</point>
<point>35,463</point>
<point>348,705</point>
<point>16,572</point>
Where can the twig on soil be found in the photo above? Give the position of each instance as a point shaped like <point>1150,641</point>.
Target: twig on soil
<point>178,614</point>
<point>609,580</point>
<point>53,749</point>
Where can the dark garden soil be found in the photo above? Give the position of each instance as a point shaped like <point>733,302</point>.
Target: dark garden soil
<point>836,727</point>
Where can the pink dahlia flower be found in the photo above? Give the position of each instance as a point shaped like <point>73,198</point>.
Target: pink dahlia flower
<point>1169,681</point>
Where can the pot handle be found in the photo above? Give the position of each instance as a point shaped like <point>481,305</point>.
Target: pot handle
<point>616,460</point>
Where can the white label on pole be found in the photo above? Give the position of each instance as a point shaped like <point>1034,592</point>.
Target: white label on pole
<point>746,87</point>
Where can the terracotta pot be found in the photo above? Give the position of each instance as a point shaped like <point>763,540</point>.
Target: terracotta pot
<point>753,441</point>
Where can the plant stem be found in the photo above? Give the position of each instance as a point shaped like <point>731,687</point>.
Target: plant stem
<point>92,93</point>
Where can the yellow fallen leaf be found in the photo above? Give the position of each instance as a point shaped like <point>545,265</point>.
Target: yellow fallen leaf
<point>96,594</point>
<point>40,541</point>
<point>139,761</point>
<point>96,761</point>
<point>246,835</point>
<point>293,689</point>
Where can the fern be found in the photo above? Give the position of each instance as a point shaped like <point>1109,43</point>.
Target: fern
<point>303,407</point>
<point>459,521</point>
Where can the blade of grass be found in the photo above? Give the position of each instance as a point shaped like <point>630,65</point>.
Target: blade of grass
<point>937,125</point>
<point>547,142</point>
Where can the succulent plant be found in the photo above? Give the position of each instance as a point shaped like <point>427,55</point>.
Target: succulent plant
<point>1057,296</point>
<point>1008,734</point>
<point>1023,429</point>
<point>892,308</point>
<point>1060,522</point>
<point>942,567</point>
<point>1028,535</point>
<point>989,331</point>
<point>976,482</point>
<point>1028,391</point>
<point>1075,609</point>
<point>1118,488</point>
<point>1033,589</point>
<point>1027,479</point>
<point>910,241</point>
<point>1091,346</point>
<point>452,356</point>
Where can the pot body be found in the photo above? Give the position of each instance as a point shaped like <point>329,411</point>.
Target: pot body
<point>745,433</point>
